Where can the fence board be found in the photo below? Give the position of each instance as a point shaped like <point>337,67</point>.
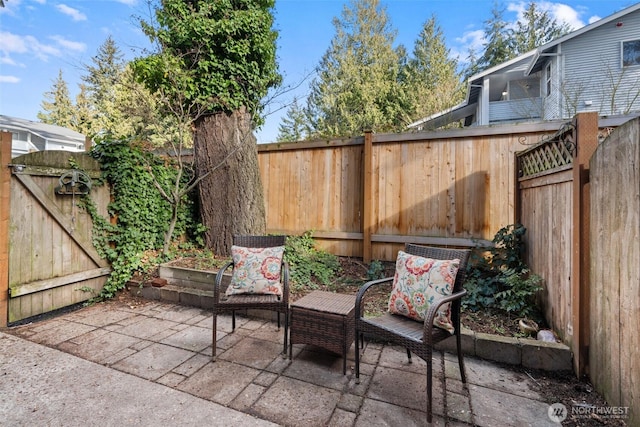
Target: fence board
<point>442,185</point>
<point>615,269</point>
<point>546,206</point>
<point>50,237</point>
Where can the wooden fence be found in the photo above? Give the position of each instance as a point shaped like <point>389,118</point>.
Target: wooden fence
<point>367,196</point>
<point>47,258</point>
<point>614,280</point>
<point>551,203</point>
<point>580,202</point>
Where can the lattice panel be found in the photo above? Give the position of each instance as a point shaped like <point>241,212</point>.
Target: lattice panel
<point>557,152</point>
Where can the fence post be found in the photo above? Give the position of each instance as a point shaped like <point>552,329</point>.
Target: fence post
<point>5,199</point>
<point>367,209</point>
<point>586,139</point>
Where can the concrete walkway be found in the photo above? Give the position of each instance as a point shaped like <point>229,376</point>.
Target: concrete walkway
<point>150,365</point>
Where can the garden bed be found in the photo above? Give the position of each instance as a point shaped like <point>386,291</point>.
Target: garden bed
<point>353,274</point>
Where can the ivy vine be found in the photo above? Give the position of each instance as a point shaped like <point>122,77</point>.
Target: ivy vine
<point>138,215</point>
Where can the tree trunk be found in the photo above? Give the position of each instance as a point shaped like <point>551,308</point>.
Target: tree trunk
<point>231,196</point>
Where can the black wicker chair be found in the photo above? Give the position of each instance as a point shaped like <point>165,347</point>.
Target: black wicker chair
<point>416,337</point>
<point>232,303</point>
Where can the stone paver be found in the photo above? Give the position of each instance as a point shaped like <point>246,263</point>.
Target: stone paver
<point>98,345</point>
<point>169,347</point>
<point>220,382</point>
<point>59,333</point>
<point>191,338</point>
<point>493,407</point>
<point>293,402</point>
<point>154,361</point>
<point>484,373</point>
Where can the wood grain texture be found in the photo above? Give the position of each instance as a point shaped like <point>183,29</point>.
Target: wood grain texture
<point>615,269</point>
<point>51,254</point>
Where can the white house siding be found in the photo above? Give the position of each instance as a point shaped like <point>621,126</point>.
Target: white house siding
<point>592,68</point>
<point>552,103</point>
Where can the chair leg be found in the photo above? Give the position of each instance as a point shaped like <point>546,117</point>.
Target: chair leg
<point>409,356</point>
<point>359,338</point>
<point>429,386</point>
<point>286,331</point>
<point>233,321</point>
<point>215,325</point>
<point>460,358</point>
<point>278,320</point>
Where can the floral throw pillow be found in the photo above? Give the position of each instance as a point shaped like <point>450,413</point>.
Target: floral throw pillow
<point>256,270</point>
<point>418,282</point>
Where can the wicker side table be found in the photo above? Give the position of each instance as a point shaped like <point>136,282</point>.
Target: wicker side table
<point>324,319</point>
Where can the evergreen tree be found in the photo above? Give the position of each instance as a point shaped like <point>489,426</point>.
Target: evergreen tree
<point>57,106</point>
<point>432,78</point>
<point>294,126</point>
<point>358,84</point>
<point>83,111</point>
<point>535,29</point>
<point>473,66</point>
<point>101,78</point>
<point>505,41</point>
<point>498,47</point>
<point>104,74</point>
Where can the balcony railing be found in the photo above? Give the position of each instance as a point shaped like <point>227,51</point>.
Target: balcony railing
<point>516,109</point>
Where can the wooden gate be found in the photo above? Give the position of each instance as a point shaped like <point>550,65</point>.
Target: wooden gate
<point>47,257</point>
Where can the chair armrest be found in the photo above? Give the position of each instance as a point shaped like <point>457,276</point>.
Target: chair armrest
<point>433,310</point>
<point>218,282</point>
<point>363,290</point>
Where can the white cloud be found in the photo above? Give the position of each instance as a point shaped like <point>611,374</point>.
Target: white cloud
<point>12,43</point>
<point>75,14</point>
<point>68,44</point>
<point>128,2</point>
<point>560,12</point>
<point>17,44</point>
<point>565,14</point>
<point>594,18</point>
<point>472,40</point>
<point>42,51</point>
<point>9,79</point>
<point>8,61</point>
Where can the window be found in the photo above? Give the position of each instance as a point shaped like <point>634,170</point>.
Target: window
<point>548,78</point>
<point>630,53</point>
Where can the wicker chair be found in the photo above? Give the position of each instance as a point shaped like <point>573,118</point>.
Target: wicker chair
<point>416,337</point>
<point>232,303</point>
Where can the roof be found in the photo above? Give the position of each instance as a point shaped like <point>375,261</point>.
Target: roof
<point>526,64</point>
<point>43,130</point>
<point>538,61</point>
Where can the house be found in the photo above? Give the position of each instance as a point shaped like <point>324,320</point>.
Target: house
<point>28,136</point>
<point>595,68</point>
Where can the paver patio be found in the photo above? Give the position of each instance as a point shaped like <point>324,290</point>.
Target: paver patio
<point>170,345</point>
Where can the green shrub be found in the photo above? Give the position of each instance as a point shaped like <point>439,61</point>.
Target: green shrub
<point>376,270</point>
<point>309,266</point>
<point>498,278</point>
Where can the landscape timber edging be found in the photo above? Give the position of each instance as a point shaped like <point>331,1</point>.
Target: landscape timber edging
<point>529,353</point>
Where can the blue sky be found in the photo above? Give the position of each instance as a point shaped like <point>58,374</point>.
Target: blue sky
<point>40,37</point>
